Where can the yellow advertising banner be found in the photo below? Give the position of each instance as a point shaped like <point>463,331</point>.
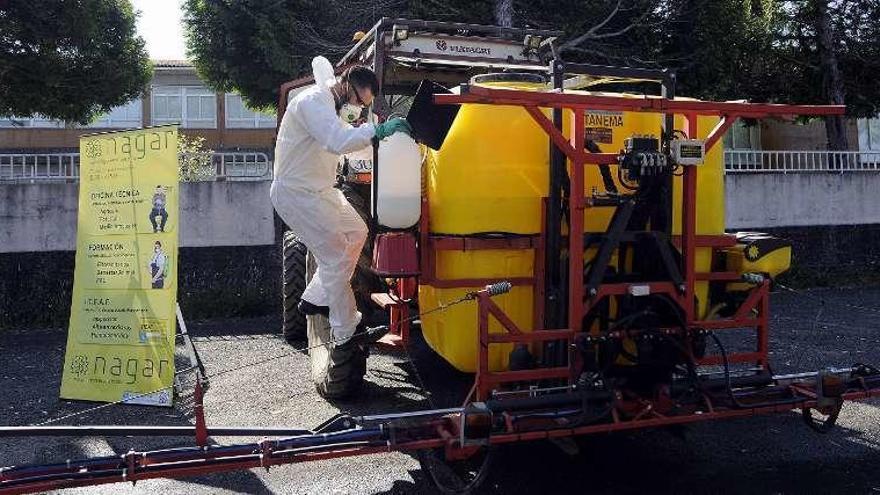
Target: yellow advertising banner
<point>120,343</point>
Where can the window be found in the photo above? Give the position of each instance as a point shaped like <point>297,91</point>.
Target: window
<point>35,121</point>
<point>191,106</point>
<point>869,134</point>
<point>239,116</point>
<point>125,116</point>
<point>743,137</point>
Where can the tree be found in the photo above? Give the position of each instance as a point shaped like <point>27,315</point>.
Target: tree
<point>721,49</point>
<point>252,47</point>
<point>69,59</point>
<point>195,159</point>
<point>759,50</point>
<point>833,47</point>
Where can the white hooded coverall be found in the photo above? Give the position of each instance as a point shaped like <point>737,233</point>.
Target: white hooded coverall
<point>310,140</point>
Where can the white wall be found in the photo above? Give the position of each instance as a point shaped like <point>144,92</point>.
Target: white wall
<point>802,199</point>
<point>42,217</point>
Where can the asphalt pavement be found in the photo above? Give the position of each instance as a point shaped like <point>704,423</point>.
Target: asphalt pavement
<point>762,455</point>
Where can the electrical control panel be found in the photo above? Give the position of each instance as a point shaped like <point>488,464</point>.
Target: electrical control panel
<point>688,151</point>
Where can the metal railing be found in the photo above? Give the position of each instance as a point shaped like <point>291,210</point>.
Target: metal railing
<point>64,167</point>
<point>43,167</point>
<point>242,165</point>
<point>749,161</point>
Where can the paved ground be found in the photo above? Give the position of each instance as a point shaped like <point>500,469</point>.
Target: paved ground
<point>763,455</point>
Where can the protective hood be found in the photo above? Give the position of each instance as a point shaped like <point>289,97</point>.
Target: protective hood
<point>322,70</point>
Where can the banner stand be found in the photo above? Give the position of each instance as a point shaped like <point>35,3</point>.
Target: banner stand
<point>195,361</point>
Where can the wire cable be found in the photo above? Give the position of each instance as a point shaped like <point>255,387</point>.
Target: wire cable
<point>492,290</point>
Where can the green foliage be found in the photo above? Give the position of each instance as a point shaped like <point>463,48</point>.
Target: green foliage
<point>195,159</point>
<point>721,50</point>
<point>759,50</point>
<point>252,47</point>
<point>70,60</point>
<point>855,26</point>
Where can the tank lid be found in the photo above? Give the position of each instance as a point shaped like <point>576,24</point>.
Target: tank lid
<point>512,77</point>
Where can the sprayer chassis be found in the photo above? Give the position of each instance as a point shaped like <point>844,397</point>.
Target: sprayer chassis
<point>493,416</point>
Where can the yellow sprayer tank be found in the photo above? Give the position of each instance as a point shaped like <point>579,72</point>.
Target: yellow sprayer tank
<point>490,176</point>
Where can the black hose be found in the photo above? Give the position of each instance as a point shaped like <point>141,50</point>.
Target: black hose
<point>736,403</point>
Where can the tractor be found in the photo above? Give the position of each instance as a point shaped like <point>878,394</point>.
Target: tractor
<point>491,205</point>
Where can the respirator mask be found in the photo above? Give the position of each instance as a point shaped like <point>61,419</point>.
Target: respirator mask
<point>350,113</point>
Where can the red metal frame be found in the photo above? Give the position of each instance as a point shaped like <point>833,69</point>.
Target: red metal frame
<point>486,380</point>
<point>430,244</point>
<point>573,148</point>
<point>400,294</point>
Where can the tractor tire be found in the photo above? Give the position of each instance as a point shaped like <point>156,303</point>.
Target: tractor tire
<point>338,372</point>
<point>294,279</point>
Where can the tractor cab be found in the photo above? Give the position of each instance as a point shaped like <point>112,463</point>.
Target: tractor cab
<point>405,52</point>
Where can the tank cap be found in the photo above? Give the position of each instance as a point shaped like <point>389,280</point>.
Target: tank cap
<point>519,77</point>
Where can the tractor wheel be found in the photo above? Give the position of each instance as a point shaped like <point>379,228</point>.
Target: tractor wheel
<point>338,372</point>
<point>459,477</point>
<point>293,283</point>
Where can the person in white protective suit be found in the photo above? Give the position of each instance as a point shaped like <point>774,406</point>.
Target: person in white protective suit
<point>314,132</point>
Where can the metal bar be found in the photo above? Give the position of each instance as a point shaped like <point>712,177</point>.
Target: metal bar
<point>527,337</point>
<point>145,431</point>
<point>539,273</point>
<point>719,241</point>
<point>502,318</point>
<point>424,253</point>
<point>551,227</point>
<point>430,413</point>
<point>621,72</point>
<point>719,276</point>
<point>735,357</point>
<point>527,375</point>
<point>483,385</point>
<point>689,226</point>
<point>555,134</point>
<point>719,130</point>
<point>199,412</point>
<point>478,94</point>
<point>726,324</point>
<point>499,31</point>
<point>764,328</point>
<point>191,351</point>
<point>750,303</point>
<point>465,243</point>
<point>576,205</point>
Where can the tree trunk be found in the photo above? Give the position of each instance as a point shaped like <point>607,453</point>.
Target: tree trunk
<point>832,82</point>
<point>504,13</point>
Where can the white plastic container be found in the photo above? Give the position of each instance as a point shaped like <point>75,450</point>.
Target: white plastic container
<point>397,180</point>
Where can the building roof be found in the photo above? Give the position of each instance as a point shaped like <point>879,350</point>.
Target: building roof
<point>173,64</point>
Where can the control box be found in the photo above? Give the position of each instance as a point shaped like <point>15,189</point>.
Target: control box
<point>688,151</point>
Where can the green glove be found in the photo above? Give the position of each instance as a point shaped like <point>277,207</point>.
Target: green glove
<point>391,126</point>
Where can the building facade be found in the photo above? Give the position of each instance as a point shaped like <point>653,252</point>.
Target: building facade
<point>38,147</point>
<point>175,95</point>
